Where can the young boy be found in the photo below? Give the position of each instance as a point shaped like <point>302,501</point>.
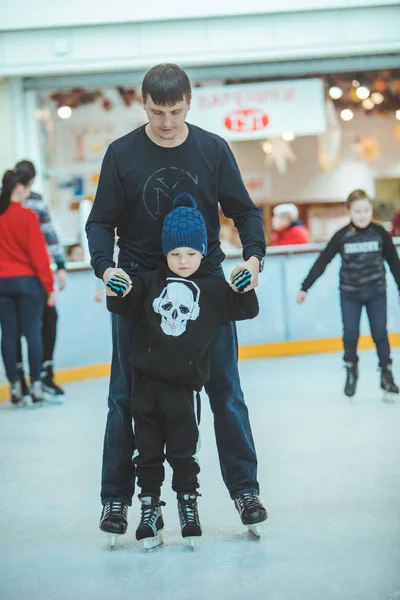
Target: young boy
<point>363,246</point>
<point>182,306</point>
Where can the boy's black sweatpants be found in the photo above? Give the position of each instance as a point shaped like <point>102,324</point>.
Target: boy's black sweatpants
<point>165,420</point>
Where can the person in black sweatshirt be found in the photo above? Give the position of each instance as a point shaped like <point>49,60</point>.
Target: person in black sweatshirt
<point>141,174</point>
<point>363,246</point>
<point>182,305</point>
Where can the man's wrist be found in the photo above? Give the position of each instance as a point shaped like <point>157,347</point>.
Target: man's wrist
<point>260,261</point>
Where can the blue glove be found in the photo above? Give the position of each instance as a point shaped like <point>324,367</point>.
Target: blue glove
<point>118,284</point>
<point>242,280</point>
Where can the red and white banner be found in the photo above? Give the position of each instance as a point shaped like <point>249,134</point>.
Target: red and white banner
<point>260,110</point>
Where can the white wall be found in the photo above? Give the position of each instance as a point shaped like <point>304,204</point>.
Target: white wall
<point>47,13</point>
<point>304,181</point>
<point>229,40</point>
<point>7,148</point>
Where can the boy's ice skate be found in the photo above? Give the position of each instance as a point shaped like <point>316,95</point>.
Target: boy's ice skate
<point>114,520</point>
<point>251,511</point>
<point>351,379</point>
<point>390,389</point>
<point>151,522</point>
<point>21,377</point>
<point>189,516</point>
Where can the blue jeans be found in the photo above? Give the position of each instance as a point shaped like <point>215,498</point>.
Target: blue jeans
<point>237,455</point>
<point>22,302</point>
<point>351,305</point>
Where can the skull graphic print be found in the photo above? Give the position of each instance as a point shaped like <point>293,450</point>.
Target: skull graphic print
<point>177,304</point>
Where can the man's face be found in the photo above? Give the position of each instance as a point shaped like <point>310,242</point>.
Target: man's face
<point>166,122</point>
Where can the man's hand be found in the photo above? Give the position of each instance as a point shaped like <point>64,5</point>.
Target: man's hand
<point>61,278</point>
<point>110,272</point>
<point>252,265</point>
<point>51,299</point>
<point>301,297</point>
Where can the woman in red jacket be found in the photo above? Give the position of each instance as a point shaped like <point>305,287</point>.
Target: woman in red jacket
<point>26,281</point>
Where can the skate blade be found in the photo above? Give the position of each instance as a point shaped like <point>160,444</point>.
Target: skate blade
<point>389,397</point>
<point>151,544</point>
<point>191,542</point>
<point>254,530</point>
<point>112,539</point>
<point>53,398</point>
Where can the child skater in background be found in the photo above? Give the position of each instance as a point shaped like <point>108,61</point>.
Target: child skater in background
<point>182,305</point>
<point>363,246</point>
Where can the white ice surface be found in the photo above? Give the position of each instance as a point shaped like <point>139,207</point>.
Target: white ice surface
<point>329,470</point>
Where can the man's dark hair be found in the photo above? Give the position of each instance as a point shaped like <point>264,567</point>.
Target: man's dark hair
<point>28,167</point>
<point>166,84</point>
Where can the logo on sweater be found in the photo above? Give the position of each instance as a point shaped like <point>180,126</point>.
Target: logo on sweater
<point>361,247</point>
<point>163,186</point>
<point>177,304</point>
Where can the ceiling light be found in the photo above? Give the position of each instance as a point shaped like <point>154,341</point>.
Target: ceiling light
<point>288,136</point>
<point>377,97</point>
<point>362,92</point>
<point>64,112</point>
<point>347,114</point>
<point>267,147</point>
<point>368,104</point>
<point>335,92</point>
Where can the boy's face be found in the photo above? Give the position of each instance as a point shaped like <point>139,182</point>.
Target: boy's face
<point>166,122</point>
<point>361,213</point>
<point>184,261</point>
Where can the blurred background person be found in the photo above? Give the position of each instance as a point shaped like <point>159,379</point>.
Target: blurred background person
<point>56,251</point>
<point>26,281</point>
<point>75,253</point>
<point>287,228</point>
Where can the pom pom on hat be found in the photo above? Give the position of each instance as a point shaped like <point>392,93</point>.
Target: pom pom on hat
<point>184,226</point>
<point>184,199</point>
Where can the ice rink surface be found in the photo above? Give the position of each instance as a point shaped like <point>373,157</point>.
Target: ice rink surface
<point>329,471</point>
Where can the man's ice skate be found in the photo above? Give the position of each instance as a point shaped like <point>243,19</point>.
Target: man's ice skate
<point>114,520</point>
<point>390,389</point>
<point>251,511</point>
<point>151,522</point>
<point>51,390</point>
<point>189,517</point>
<point>351,379</point>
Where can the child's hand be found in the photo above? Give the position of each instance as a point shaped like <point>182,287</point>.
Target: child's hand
<point>301,297</point>
<point>118,283</point>
<point>241,280</point>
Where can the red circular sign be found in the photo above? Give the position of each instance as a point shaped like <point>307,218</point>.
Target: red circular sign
<point>246,120</point>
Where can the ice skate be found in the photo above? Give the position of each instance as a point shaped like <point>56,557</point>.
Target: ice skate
<point>351,379</point>
<point>151,522</point>
<point>21,377</point>
<point>36,392</point>
<point>16,395</point>
<point>51,390</point>
<point>251,511</point>
<point>390,389</point>
<point>189,517</point>
<point>114,520</point>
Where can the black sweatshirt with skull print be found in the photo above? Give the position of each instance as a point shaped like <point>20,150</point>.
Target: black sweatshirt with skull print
<point>178,318</point>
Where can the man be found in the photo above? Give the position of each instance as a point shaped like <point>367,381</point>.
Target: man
<point>49,329</point>
<point>141,174</point>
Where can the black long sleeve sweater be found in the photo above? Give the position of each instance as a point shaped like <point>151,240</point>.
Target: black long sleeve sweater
<point>363,253</point>
<point>180,317</point>
<point>138,182</point>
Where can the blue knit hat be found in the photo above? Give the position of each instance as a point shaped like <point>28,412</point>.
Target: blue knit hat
<point>184,226</point>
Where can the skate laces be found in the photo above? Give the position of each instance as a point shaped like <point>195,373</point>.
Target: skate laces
<point>116,509</point>
<point>248,500</point>
<point>188,509</point>
<point>149,510</point>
